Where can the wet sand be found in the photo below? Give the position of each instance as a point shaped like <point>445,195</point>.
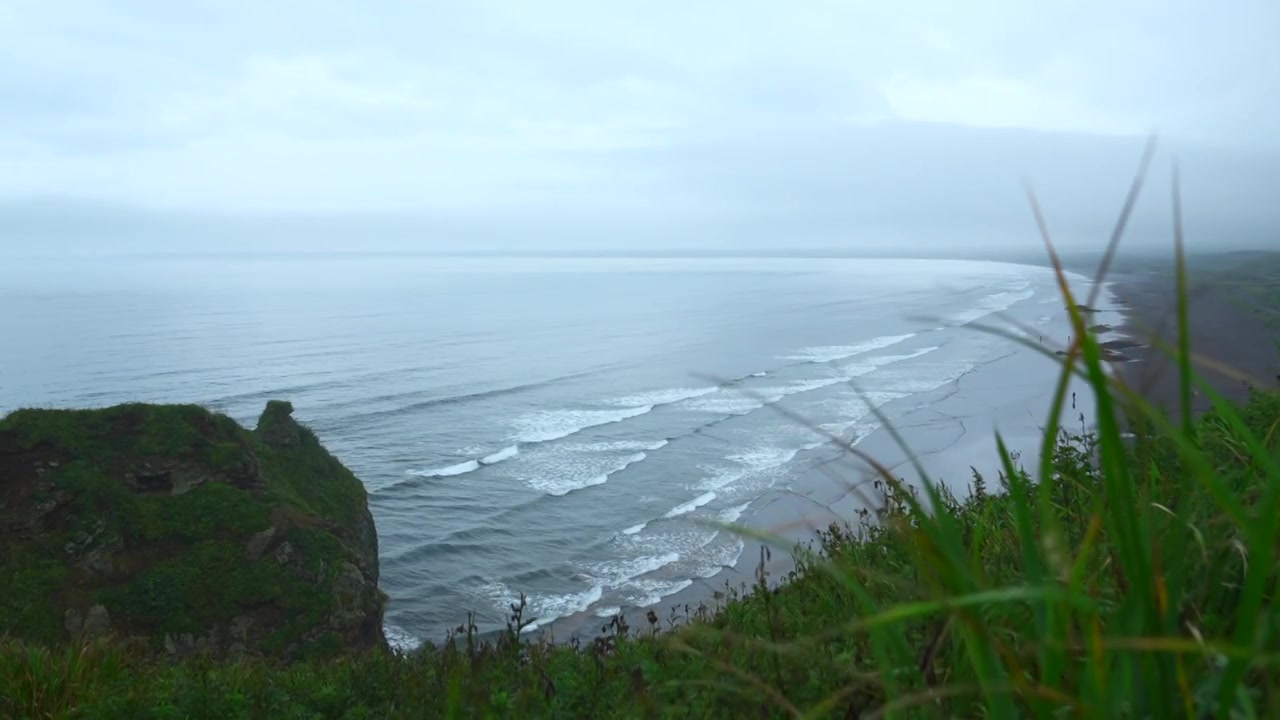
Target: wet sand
<point>1222,326</point>
<point>952,430</point>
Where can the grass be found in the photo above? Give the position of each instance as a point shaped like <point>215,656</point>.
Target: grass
<point>164,564</point>
<point>1125,577</point>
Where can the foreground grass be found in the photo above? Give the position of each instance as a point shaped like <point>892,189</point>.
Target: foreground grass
<point>1018,600</point>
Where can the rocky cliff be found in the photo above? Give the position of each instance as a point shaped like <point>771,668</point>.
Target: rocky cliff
<point>174,524</point>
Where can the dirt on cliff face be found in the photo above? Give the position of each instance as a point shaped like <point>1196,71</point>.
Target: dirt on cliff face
<point>175,526</point>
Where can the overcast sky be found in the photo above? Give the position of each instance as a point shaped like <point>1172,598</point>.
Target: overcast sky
<point>670,114</point>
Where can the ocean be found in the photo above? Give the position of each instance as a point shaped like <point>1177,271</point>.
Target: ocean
<point>561,427</point>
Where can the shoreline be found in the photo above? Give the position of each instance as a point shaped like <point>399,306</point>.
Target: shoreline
<point>951,430</point>
<point>1221,330</point>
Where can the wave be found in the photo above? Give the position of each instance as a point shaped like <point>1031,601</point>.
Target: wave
<point>688,507</point>
<point>749,462</point>
<point>411,407</point>
<point>560,485</point>
<point>652,592</point>
<point>748,401</point>
<point>727,405</point>
<point>461,468</point>
<point>828,353</point>
<point>544,608</point>
<point>988,305</point>
<point>871,364</point>
<point>467,466</point>
<point>856,410</point>
<point>663,397</point>
<point>723,557</point>
<point>616,572</point>
<point>762,373</point>
<point>400,639</point>
<point>731,515</point>
<point>635,528</point>
<point>626,445</point>
<point>550,607</point>
<point>911,386</point>
<point>505,453</point>
<point>551,425</point>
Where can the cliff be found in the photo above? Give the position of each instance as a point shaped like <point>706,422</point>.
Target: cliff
<point>173,524</point>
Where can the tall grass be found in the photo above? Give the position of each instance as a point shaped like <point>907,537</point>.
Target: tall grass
<point>1126,577</point>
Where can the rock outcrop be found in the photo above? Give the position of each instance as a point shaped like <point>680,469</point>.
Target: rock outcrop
<point>174,524</point>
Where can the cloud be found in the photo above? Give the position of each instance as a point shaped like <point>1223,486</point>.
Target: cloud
<point>441,107</point>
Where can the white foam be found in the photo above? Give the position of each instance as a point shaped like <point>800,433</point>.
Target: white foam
<point>856,409</point>
<point>663,397</point>
<point>548,608</point>
<point>750,462</point>
<point>689,540</point>
<point>688,507</point>
<point>759,374</point>
<point>871,364</point>
<point>544,608</point>
<point>728,404</point>
<point>720,557</point>
<point>743,402</point>
<point>934,381</point>
<point>731,515</point>
<point>635,529</point>
<point>400,639</point>
<point>722,479</point>
<point>626,446</point>
<point>651,592</point>
<point>773,394</point>
<point>505,453</point>
<point>608,611</point>
<point>809,385</point>
<point>463,468</point>
<point>565,480</point>
<point>828,353</point>
<point>616,572</point>
<point>747,401</point>
<point>764,458</point>
<point>459,469</point>
<point>556,424</point>
<point>988,305</point>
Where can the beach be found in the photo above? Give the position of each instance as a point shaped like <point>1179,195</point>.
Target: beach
<point>1224,329</point>
<point>951,431</point>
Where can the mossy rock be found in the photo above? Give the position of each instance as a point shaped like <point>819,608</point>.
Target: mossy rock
<point>174,524</point>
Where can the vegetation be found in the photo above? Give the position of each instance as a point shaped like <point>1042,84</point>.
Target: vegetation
<point>1031,598</point>
<point>1118,576</point>
<point>164,517</point>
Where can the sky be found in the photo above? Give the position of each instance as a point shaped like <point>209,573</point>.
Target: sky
<point>614,123</point>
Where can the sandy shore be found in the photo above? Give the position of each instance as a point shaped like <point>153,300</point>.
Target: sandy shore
<point>952,430</point>
<point>1223,329</point>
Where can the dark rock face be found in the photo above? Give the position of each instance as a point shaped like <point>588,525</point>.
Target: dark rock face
<point>174,524</point>
<point>277,427</point>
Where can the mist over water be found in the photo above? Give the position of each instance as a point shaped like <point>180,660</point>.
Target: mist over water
<point>558,427</point>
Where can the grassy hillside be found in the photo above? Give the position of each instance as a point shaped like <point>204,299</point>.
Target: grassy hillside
<point>1135,579</point>
<point>175,526</point>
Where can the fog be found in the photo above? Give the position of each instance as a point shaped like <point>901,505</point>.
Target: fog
<point>898,128</point>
